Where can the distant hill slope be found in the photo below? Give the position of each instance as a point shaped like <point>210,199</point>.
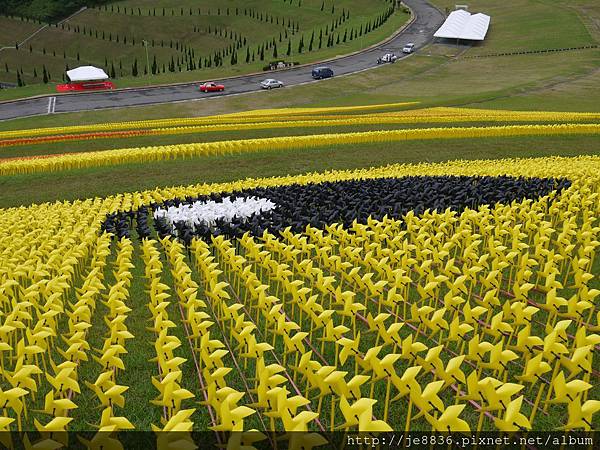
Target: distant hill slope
<point>183,40</point>
<point>45,9</point>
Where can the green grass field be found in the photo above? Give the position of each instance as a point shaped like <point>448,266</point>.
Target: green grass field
<point>183,43</point>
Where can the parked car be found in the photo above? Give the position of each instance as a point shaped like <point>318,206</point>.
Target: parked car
<point>85,86</point>
<point>387,58</point>
<point>409,48</point>
<point>211,87</point>
<point>322,72</point>
<point>270,83</point>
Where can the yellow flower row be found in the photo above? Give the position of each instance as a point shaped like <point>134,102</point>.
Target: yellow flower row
<point>234,118</point>
<point>293,115</point>
<point>170,152</point>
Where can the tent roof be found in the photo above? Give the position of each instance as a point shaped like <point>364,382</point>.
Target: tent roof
<point>464,25</point>
<point>87,73</point>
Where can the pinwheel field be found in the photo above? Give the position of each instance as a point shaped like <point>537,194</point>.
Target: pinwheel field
<point>403,247</point>
<point>476,311</point>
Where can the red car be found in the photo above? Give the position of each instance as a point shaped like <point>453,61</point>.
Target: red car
<point>85,86</point>
<point>211,87</point>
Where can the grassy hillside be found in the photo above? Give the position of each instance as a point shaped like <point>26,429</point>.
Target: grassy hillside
<point>192,40</point>
<point>44,9</point>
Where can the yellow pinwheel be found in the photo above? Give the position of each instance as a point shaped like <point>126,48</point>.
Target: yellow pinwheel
<point>407,383</point>
<point>110,423</point>
<point>13,399</point>
<point>428,399</point>
<point>55,429</point>
<point>449,420</point>
<point>22,376</point>
<point>232,416</point>
<point>497,394</point>
<point>513,419</point>
<point>101,441</point>
<point>57,406</point>
<point>171,394</point>
<point>5,436</point>
<point>352,413</point>
<point>534,369</point>
<point>452,373</point>
<point>567,392</point>
<point>349,347</point>
<point>64,380</point>
<point>580,416</point>
<point>458,330</point>
<point>410,349</point>
<point>175,432</point>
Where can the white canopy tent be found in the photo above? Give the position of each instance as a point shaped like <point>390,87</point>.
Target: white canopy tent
<point>87,73</point>
<point>461,24</point>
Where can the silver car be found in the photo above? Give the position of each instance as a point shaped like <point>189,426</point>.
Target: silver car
<point>270,83</point>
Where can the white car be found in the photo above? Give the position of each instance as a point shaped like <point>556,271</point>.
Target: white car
<point>271,83</point>
<point>408,48</point>
<point>387,58</point>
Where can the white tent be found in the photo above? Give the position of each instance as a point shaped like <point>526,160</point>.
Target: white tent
<point>464,25</point>
<point>87,73</point>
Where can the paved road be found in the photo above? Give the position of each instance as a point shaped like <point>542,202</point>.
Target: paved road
<point>428,19</point>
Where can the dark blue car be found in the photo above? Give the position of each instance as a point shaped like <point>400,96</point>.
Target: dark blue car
<point>322,72</point>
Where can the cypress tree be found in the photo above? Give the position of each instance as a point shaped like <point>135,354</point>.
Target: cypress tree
<point>275,51</point>
<point>289,49</point>
<point>312,40</point>
<point>247,54</point>
<point>134,68</point>
<point>113,74</point>
<point>45,77</point>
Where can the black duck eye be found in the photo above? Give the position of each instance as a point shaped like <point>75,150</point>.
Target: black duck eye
<point>231,214</point>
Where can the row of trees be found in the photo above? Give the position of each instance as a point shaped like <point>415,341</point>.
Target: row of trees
<point>119,39</point>
<point>20,78</point>
<point>262,16</point>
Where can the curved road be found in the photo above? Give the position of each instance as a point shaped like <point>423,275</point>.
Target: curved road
<point>420,31</point>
